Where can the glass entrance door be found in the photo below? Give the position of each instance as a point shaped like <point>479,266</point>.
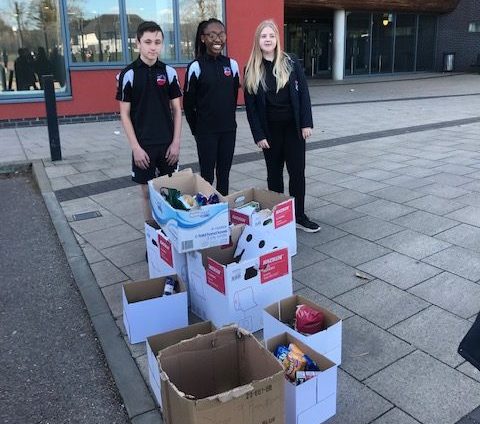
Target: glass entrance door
<point>312,44</point>
<point>317,50</point>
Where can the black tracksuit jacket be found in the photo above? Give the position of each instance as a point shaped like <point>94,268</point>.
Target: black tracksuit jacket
<point>210,94</point>
<point>302,108</point>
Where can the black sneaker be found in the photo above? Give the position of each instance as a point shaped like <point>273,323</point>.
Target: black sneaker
<point>304,224</point>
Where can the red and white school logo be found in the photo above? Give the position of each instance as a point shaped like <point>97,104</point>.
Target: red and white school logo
<point>161,80</point>
<point>227,71</point>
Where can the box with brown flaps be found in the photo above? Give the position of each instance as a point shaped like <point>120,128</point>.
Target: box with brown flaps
<point>223,377</point>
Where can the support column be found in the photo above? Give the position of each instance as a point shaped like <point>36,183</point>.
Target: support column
<point>338,68</point>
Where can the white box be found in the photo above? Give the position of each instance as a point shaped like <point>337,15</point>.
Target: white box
<point>315,400</point>
<point>198,228</point>
<point>280,220</point>
<point>160,341</point>
<point>146,311</point>
<point>327,342</point>
<point>226,292</point>
<point>163,258</point>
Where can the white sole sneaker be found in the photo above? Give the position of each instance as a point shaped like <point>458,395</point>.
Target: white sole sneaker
<point>308,230</point>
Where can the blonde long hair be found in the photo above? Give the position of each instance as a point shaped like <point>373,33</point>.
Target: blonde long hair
<point>255,70</point>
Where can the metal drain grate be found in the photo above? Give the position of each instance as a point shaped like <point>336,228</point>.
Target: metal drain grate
<point>86,215</point>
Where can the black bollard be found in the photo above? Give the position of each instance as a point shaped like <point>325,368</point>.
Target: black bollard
<point>52,121</point>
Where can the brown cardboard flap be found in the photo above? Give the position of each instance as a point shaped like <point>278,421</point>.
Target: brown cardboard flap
<point>220,254</point>
<point>139,291</point>
<point>286,338</point>
<point>159,342</point>
<point>267,199</point>
<point>185,182</point>
<point>285,310</point>
<point>212,364</point>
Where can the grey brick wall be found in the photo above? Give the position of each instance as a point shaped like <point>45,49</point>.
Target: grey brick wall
<point>453,35</point>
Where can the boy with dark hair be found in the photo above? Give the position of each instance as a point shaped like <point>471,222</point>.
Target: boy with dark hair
<point>150,110</point>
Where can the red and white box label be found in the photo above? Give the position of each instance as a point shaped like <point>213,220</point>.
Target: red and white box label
<point>165,250</point>
<point>215,276</point>
<point>283,214</point>
<point>273,265</point>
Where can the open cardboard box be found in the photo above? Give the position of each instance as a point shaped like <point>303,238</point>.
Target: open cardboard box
<point>159,342</point>
<point>197,228</point>
<point>163,258</point>
<point>280,220</point>
<point>315,400</point>
<point>146,311</point>
<point>327,342</point>
<point>225,376</point>
<point>225,292</point>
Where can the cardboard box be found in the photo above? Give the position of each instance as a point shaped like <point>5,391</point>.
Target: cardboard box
<point>315,400</point>
<point>226,292</point>
<point>224,377</point>
<point>159,342</point>
<point>146,311</point>
<point>197,228</point>
<point>277,214</point>
<point>327,342</point>
<point>163,258</point>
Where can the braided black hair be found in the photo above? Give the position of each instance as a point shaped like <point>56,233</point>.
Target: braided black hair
<point>200,48</point>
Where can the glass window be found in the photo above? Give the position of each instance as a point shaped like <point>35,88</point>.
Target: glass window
<point>160,11</point>
<point>191,12</point>
<point>382,42</point>
<point>31,45</point>
<point>405,31</point>
<point>357,44</point>
<point>474,26</point>
<point>426,42</point>
<point>94,31</point>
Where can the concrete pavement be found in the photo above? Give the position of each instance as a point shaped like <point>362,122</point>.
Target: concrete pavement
<point>393,177</point>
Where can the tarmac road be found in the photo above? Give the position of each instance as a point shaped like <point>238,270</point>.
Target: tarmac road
<point>52,367</point>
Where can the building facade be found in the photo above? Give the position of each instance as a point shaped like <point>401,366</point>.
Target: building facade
<point>84,43</point>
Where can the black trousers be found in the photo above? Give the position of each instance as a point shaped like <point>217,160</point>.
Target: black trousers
<point>286,147</point>
<point>215,155</point>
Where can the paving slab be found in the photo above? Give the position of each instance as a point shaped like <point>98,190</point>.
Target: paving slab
<point>450,179</point>
<point>436,332</point>
<point>434,204</point>
<point>442,190</point>
<point>352,250</point>
<point>330,277</point>
<point>349,198</point>
<point>306,256</point>
<point>363,185</point>
<point>450,292</point>
<point>469,370</point>
<point>397,194</point>
<point>425,222</point>
<point>127,253</point>
<point>432,392</point>
<point>468,215</point>
<point>107,220</point>
<point>366,348</point>
<point>137,271</point>
<point>92,254</point>
<point>326,234</point>
<point>356,403</point>
<point>333,214</point>
<point>106,273</point>
<point>399,270</point>
<point>395,416</point>
<point>457,260</point>
<point>114,236</point>
<point>471,199</point>
<point>384,209</point>
<point>381,303</point>
<point>370,228</point>
<point>413,244</point>
<point>113,296</point>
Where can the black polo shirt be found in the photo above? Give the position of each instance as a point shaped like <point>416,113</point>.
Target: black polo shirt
<point>149,90</point>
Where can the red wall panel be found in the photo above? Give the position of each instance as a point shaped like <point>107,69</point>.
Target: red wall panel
<point>93,91</point>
